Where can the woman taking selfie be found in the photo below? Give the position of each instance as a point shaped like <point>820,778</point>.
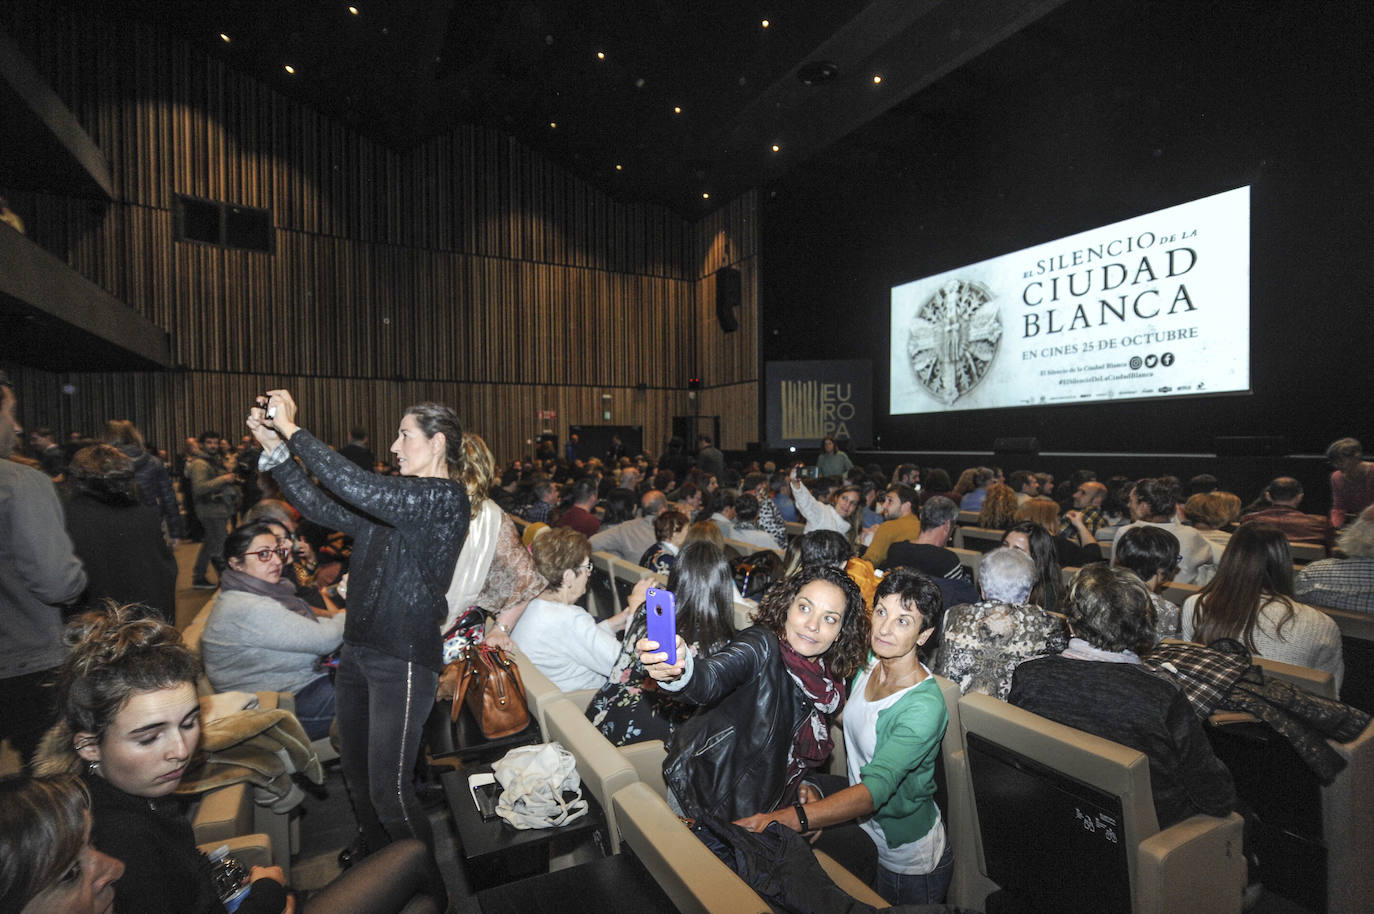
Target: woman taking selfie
<point>130,723</point>
<point>767,697</point>
<point>407,532</point>
<point>893,725</point>
<point>47,863</point>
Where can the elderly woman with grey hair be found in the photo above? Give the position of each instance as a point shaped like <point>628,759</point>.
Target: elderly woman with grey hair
<point>983,642</point>
<point>1347,580</point>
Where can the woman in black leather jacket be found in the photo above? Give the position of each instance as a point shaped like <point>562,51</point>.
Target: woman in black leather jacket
<point>407,533</point>
<point>767,698</point>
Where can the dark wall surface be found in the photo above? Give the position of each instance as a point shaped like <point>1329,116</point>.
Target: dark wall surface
<point>1100,112</point>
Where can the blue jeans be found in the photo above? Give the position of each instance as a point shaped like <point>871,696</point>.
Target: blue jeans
<point>382,702</point>
<point>315,707</point>
<point>917,888</point>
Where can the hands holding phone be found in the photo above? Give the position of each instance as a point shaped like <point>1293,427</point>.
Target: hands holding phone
<point>655,661</point>
<point>272,418</point>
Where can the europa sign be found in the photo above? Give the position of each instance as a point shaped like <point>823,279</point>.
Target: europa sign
<point>808,401</point>
<point>1157,305</point>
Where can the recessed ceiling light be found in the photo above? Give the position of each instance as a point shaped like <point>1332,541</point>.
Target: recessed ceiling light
<point>776,147</point>
<point>620,168</point>
<point>677,109</point>
<point>705,196</point>
<point>353,10</point>
<point>765,23</point>
<point>600,55</point>
<point>290,70</point>
<point>224,38</point>
<point>553,125</point>
<point>877,79</point>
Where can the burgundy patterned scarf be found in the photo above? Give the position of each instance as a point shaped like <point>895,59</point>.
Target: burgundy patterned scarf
<point>825,695</point>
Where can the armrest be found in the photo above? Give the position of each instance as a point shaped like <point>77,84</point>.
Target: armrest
<point>850,884</point>
<point>1196,865</point>
<point>250,850</point>
<point>696,880</point>
<point>647,759</point>
<point>223,813</point>
<point>581,697</point>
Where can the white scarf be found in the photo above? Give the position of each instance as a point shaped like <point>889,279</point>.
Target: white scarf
<point>473,562</point>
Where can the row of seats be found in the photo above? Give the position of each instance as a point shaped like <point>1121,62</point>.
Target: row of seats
<point>1193,866</point>
<point>628,783</point>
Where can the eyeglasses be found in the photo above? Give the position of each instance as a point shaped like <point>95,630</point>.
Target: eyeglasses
<point>265,555</point>
<point>586,566</point>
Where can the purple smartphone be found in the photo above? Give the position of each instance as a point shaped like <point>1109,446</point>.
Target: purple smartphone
<point>660,608</point>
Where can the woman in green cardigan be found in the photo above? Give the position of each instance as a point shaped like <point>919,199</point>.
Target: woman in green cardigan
<point>893,724</point>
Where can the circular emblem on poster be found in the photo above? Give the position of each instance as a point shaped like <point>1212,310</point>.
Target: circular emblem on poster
<point>953,339</point>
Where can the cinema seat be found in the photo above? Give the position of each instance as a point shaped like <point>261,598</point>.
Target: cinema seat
<point>1066,822</point>
<point>649,756</point>
<point>696,879</point>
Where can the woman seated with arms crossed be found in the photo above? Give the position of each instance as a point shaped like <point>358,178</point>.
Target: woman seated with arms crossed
<point>261,637</point>
<point>563,640</point>
<point>129,723</point>
<point>1251,600</point>
<point>893,725</point>
<point>766,698</point>
<point>47,863</point>
<point>1098,685</point>
<point>629,708</point>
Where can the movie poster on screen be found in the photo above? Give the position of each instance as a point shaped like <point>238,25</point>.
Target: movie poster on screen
<point>1154,306</point>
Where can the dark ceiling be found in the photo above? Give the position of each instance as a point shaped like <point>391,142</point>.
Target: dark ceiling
<point>402,71</point>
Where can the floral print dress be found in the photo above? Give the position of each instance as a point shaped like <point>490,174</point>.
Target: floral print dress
<point>630,708</point>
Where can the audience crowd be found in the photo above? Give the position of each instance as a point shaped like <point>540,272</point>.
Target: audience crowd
<point>350,583</point>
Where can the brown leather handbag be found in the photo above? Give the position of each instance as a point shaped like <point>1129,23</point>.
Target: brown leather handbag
<point>489,683</point>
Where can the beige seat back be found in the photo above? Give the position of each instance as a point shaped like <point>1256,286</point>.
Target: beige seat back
<point>1196,865</point>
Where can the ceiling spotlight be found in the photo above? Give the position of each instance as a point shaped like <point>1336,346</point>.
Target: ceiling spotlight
<point>777,148</point>
<point>765,23</point>
<point>620,168</point>
<point>600,55</point>
<point>553,125</point>
<point>705,196</point>
<point>877,79</point>
<point>353,10</point>
<point>224,38</point>
<point>677,109</point>
<point>290,70</point>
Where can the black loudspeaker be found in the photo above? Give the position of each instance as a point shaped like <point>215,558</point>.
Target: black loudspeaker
<point>729,292</point>
<point>1250,446</point>
<point>1016,446</point>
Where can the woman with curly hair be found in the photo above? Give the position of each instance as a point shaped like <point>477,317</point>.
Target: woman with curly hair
<point>767,697</point>
<point>999,507</point>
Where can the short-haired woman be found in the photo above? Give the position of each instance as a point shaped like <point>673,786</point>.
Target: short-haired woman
<point>561,639</point>
<point>1098,685</point>
<point>670,532</point>
<point>1151,554</point>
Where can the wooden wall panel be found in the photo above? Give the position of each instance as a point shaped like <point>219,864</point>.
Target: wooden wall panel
<point>470,269</point>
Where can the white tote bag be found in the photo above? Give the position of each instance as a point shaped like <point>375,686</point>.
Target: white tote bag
<point>533,780</point>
